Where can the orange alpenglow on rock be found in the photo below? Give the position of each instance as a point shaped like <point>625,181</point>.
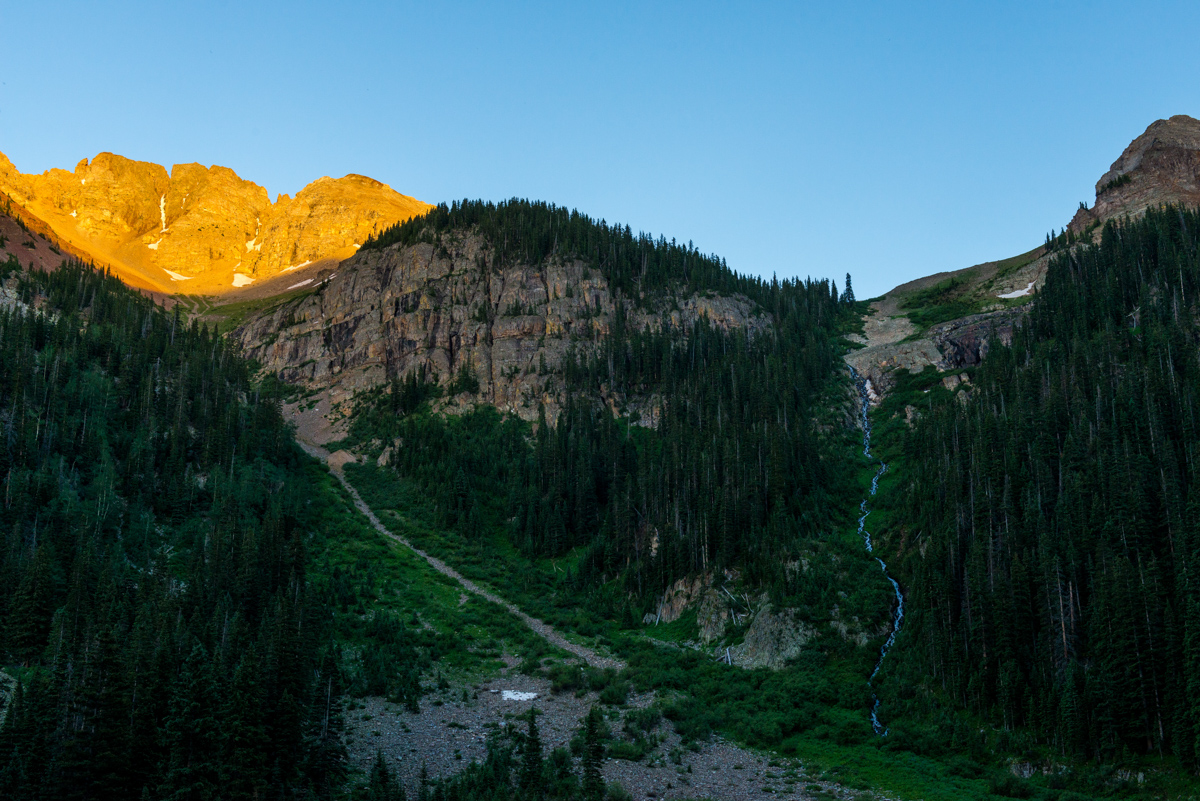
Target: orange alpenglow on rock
<point>200,230</point>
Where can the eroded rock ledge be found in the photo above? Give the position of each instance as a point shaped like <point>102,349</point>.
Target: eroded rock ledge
<point>389,312</point>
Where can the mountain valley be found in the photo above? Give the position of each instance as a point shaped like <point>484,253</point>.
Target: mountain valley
<point>560,459</point>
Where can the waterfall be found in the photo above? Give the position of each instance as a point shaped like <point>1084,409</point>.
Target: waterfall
<point>864,400</point>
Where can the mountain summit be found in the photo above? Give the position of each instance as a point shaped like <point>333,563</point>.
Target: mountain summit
<point>948,319</point>
<point>200,230</point>
<point>1161,166</point>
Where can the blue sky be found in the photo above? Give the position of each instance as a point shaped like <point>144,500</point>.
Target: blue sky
<point>886,140</point>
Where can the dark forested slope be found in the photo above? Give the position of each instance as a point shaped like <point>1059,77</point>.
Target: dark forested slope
<point>153,590</point>
<point>734,472</point>
<point>1046,519</point>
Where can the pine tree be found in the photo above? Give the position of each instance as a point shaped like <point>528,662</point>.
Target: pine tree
<point>593,756</point>
<point>30,607</point>
<point>531,778</point>
<point>245,745</point>
<point>383,786</point>
<point>193,733</point>
<point>423,790</point>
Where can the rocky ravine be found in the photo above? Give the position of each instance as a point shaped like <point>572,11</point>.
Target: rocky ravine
<point>199,230</point>
<point>892,342</point>
<point>388,312</point>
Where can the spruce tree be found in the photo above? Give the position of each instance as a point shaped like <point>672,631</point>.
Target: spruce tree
<point>593,756</point>
<point>531,778</point>
<point>383,785</point>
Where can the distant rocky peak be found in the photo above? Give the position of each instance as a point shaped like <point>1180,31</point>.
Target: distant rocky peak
<point>197,229</point>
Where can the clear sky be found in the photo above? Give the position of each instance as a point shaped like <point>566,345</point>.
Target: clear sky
<point>887,140</point>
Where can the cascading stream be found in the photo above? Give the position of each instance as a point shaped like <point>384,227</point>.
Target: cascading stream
<point>864,400</point>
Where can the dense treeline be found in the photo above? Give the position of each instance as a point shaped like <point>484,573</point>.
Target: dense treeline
<point>528,232</point>
<point>153,585</point>
<point>1051,524</point>
<point>735,469</point>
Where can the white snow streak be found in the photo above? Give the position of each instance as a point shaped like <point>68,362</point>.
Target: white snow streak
<point>302,283</point>
<point>1020,293</point>
<point>250,245</point>
<point>73,214</point>
<point>510,695</point>
<point>162,211</point>
<point>297,267</point>
<point>177,276</point>
<point>242,280</point>
<point>154,245</point>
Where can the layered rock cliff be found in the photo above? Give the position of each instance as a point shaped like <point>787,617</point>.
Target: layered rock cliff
<point>199,230</point>
<point>444,308</point>
<point>1160,166</point>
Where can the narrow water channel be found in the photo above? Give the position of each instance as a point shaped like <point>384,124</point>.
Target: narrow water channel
<point>898,617</point>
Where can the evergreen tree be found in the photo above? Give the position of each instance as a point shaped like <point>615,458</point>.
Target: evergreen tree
<point>729,473</point>
<point>383,786</point>
<point>531,781</point>
<point>152,565</point>
<point>593,756</point>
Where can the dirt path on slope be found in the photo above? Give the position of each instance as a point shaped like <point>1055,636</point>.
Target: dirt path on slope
<point>337,460</point>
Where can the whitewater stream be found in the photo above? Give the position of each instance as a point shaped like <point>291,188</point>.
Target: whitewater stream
<point>864,401</point>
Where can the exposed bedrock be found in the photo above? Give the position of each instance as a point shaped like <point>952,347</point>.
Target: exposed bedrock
<point>389,312</point>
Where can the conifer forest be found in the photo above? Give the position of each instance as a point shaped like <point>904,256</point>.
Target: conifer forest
<point>193,607</point>
<point>1047,526</point>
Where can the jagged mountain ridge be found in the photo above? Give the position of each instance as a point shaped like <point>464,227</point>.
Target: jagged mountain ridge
<point>199,230</point>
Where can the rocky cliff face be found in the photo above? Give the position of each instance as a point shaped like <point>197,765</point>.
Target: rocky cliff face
<point>965,342</point>
<point>389,312</point>
<point>1160,166</point>
<point>892,342</point>
<point>200,230</point>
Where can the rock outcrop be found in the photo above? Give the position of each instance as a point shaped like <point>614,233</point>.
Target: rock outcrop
<point>446,308</point>
<point>715,608</point>
<point>774,638</point>
<point>1160,166</point>
<point>199,230</point>
<point>892,345</point>
<point>965,342</point>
